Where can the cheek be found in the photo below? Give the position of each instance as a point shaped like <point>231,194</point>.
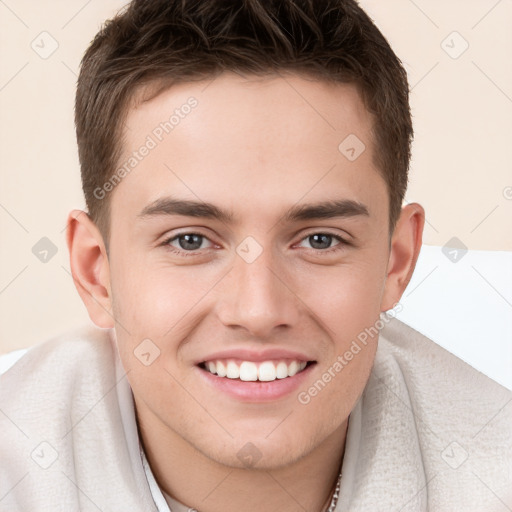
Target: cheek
<point>347,305</point>
<point>153,300</point>
<point>346,299</point>
<point>155,307</point>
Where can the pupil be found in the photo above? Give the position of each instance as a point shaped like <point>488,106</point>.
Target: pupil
<point>320,241</point>
<point>190,242</point>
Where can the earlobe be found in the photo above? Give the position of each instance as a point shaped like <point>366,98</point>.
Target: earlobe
<point>405,249</point>
<point>90,267</point>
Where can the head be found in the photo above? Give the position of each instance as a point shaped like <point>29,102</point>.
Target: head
<point>244,166</point>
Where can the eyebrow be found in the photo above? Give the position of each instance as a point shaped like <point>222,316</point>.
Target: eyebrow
<point>199,209</point>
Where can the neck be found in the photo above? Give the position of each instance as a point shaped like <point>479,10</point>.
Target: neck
<point>201,483</point>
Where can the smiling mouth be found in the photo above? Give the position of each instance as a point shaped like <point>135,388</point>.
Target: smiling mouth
<point>249,371</point>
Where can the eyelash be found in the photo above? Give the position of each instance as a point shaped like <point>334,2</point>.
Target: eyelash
<point>340,246</point>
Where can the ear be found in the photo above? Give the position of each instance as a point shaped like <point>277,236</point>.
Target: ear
<point>405,249</point>
<point>90,267</point>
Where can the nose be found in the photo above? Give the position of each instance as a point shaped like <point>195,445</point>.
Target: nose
<point>258,297</point>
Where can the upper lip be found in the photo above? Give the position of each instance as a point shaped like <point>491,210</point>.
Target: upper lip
<point>246,354</point>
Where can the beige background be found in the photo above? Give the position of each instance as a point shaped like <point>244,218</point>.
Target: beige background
<point>461,169</point>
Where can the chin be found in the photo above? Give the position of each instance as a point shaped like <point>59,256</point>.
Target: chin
<point>257,452</point>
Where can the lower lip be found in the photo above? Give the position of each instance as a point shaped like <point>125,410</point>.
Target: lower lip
<point>256,391</point>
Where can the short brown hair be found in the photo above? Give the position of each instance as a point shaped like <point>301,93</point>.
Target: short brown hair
<point>173,41</point>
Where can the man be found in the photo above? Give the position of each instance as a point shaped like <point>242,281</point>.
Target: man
<point>244,166</point>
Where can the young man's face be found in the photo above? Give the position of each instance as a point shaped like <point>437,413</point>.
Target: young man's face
<point>261,284</point>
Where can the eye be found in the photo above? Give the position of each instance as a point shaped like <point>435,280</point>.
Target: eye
<point>187,242</point>
<point>323,241</point>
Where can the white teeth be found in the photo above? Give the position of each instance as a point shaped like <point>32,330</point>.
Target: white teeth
<point>248,371</point>
<point>221,369</point>
<point>232,370</point>
<point>282,371</point>
<point>266,371</point>
<point>293,368</point>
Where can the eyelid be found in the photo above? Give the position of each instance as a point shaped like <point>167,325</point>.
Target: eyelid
<point>188,230</point>
<point>317,230</point>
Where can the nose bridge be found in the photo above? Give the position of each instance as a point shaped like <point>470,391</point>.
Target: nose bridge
<point>257,296</point>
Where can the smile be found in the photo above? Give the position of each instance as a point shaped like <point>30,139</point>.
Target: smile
<point>249,371</point>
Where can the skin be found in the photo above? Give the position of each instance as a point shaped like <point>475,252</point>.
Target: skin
<point>255,147</point>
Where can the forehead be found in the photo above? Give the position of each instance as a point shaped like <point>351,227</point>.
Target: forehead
<point>271,140</point>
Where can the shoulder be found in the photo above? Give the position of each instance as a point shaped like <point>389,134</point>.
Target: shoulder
<point>429,368</point>
<point>66,416</point>
<point>80,345</point>
<point>451,417</point>
<point>52,372</point>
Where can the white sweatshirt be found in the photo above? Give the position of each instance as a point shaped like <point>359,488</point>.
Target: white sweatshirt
<point>429,433</point>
